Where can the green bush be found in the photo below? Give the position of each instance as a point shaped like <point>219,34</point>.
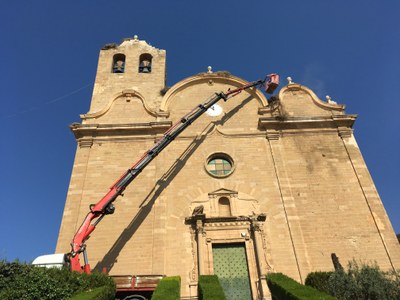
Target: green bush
<point>210,288</point>
<point>285,288</point>
<point>319,281</point>
<point>22,281</point>
<point>101,293</point>
<point>364,282</point>
<point>169,288</point>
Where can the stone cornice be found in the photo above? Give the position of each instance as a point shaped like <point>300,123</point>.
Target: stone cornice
<point>229,220</point>
<point>91,131</point>
<point>219,221</point>
<point>282,123</point>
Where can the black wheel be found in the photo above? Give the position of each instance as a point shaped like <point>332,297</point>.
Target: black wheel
<point>135,297</point>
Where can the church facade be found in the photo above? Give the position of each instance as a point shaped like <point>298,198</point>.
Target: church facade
<point>254,186</point>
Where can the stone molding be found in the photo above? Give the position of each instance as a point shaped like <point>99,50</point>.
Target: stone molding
<point>273,135</point>
<point>345,132</point>
<point>85,134</point>
<point>85,143</point>
<point>275,126</point>
<point>282,123</point>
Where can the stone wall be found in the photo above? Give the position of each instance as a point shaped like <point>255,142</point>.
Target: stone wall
<point>295,160</point>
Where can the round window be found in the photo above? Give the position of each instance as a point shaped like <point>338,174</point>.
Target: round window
<point>219,165</point>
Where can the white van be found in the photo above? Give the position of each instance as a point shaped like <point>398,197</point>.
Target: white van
<point>51,261</point>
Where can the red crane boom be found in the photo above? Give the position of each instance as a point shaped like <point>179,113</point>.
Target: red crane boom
<point>105,205</point>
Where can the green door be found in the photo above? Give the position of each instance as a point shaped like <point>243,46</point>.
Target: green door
<point>230,264</point>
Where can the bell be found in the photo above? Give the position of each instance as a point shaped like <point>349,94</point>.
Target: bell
<point>119,67</point>
<point>145,66</point>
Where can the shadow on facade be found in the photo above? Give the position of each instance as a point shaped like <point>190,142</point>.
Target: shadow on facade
<point>145,207</point>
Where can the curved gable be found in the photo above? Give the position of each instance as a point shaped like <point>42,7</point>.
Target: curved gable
<point>128,106</point>
<point>298,100</point>
<point>217,77</point>
<point>239,114</point>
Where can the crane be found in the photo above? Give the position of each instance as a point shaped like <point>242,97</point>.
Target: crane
<point>105,206</point>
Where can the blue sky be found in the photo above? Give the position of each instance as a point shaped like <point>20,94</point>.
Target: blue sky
<point>49,50</point>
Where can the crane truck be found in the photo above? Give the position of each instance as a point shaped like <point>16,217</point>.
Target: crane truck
<point>105,205</point>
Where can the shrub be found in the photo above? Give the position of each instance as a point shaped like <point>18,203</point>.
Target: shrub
<point>319,281</point>
<point>101,293</point>
<point>210,288</point>
<point>22,281</point>
<point>169,288</point>
<point>359,282</point>
<point>364,282</point>
<point>285,288</point>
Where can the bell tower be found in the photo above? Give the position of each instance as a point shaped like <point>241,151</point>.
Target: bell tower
<point>133,65</point>
<point>124,119</point>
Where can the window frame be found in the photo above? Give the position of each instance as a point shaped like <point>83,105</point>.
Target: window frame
<point>224,157</point>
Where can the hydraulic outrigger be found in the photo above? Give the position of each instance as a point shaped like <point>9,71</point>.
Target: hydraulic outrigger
<point>105,205</point>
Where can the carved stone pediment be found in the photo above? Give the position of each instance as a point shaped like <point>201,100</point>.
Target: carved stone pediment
<point>223,192</point>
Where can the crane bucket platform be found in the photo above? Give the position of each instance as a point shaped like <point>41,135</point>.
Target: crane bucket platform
<point>271,83</point>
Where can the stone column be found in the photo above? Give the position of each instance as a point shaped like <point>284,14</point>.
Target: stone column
<point>200,245</point>
<point>256,228</point>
